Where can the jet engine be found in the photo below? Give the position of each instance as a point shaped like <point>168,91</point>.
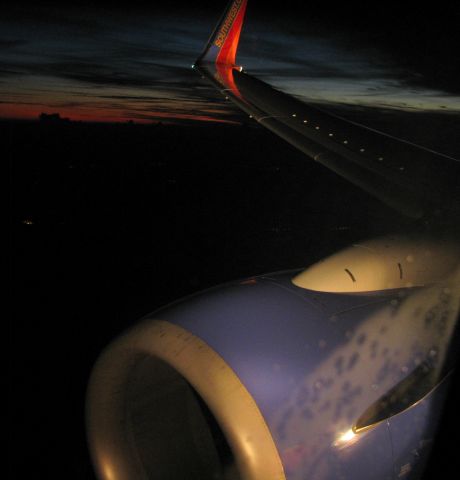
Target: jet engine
<point>338,371</point>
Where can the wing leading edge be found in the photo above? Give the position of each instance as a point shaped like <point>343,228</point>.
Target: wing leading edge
<point>403,175</point>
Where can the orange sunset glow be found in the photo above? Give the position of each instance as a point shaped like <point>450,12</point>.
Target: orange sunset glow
<point>83,114</point>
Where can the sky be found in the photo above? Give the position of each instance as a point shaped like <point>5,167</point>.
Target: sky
<point>100,63</point>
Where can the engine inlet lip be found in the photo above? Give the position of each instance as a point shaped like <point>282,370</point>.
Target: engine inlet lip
<point>233,407</point>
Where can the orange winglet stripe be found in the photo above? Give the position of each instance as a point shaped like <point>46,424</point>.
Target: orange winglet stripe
<point>224,75</point>
<point>229,34</point>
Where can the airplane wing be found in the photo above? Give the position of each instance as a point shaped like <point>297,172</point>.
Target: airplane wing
<point>412,179</point>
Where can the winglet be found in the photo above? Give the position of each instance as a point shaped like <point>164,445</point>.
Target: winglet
<point>223,43</point>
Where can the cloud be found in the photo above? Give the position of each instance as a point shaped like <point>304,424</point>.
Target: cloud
<point>96,60</point>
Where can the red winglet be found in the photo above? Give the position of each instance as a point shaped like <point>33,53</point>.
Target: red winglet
<point>223,44</point>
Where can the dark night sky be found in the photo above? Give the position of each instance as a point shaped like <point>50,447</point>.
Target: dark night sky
<point>113,221</point>
<point>101,63</point>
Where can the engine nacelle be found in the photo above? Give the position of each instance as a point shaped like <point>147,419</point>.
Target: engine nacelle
<point>266,379</point>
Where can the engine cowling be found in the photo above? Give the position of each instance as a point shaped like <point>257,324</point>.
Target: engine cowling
<point>265,379</point>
